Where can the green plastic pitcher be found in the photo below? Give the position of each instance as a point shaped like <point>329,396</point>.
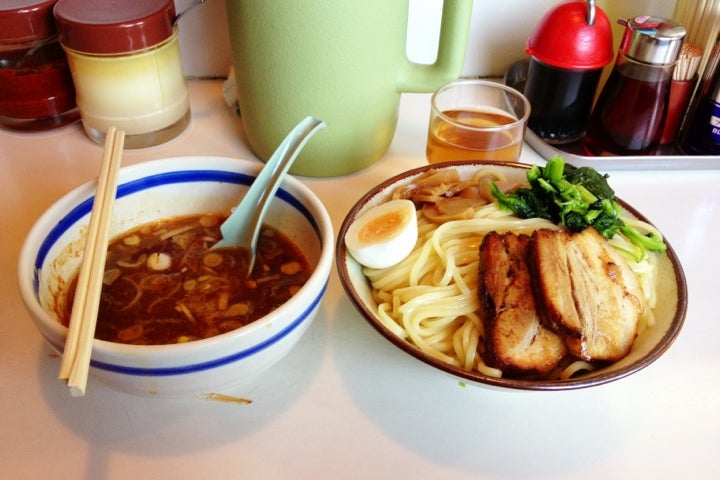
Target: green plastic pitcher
<point>343,61</point>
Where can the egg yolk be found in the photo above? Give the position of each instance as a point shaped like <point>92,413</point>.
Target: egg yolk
<point>381,227</point>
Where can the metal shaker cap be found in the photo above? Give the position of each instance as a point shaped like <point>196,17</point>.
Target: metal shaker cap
<point>652,40</point>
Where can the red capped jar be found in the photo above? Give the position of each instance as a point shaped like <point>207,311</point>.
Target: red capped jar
<point>568,50</point>
<point>125,62</point>
<point>36,89</point>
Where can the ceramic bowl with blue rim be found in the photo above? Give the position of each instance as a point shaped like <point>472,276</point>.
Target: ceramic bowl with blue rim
<point>52,253</point>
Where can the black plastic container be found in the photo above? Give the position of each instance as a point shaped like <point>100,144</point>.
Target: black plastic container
<point>568,51</point>
<point>561,101</point>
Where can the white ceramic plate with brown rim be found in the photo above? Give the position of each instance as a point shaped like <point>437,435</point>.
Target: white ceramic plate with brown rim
<point>650,344</point>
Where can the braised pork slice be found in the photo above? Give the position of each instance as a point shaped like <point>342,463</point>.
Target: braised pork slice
<point>586,291</point>
<point>549,266</point>
<point>515,339</point>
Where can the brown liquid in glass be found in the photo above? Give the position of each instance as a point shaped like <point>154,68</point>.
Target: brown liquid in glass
<point>465,139</point>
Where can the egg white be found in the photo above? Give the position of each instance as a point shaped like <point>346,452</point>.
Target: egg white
<point>387,248</point>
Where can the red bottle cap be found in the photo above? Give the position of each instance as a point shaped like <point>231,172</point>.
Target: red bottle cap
<point>112,27</point>
<point>565,39</point>
<point>26,20</point>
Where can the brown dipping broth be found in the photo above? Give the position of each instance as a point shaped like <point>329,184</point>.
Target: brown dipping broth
<point>162,285</point>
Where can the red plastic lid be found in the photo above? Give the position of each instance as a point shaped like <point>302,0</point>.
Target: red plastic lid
<point>114,26</point>
<point>26,20</point>
<point>564,39</point>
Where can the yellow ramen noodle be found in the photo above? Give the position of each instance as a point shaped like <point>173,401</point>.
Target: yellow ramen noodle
<point>431,297</point>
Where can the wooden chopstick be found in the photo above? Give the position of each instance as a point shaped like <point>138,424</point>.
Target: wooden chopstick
<point>698,17</point>
<point>81,331</point>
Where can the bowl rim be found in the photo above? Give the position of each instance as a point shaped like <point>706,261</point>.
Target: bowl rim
<point>291,188</point>
<point>342,257</point>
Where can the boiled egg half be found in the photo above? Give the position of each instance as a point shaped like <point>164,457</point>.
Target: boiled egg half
<point>383,235</point>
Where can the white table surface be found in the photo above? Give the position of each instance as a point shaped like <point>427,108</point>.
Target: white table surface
<point>345,403</point>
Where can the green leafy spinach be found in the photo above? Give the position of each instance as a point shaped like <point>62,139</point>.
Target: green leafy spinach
<point>577,198</point>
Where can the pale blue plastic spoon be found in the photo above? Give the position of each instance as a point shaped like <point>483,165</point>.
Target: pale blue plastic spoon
<point>242,227</point>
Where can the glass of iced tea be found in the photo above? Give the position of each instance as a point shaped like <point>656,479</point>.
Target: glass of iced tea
<point>476,120</point>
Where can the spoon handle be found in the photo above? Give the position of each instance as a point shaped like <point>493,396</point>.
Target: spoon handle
<point>243,226</point>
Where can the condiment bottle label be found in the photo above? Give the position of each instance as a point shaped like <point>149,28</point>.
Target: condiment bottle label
<point>715,123</point>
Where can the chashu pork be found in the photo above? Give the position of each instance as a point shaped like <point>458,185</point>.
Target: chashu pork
<point>516,341</point>
<point>587,292</point>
